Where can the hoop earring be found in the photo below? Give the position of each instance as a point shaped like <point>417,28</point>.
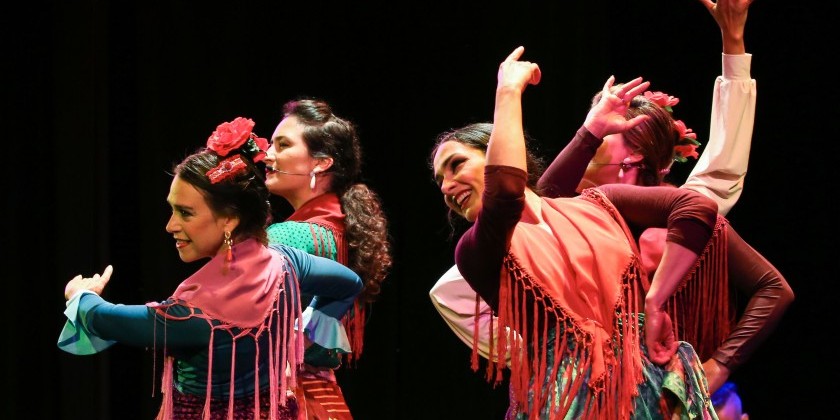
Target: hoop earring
<point>312,180</point>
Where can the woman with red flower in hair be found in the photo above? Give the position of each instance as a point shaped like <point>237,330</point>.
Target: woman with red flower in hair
<point>231,331</point>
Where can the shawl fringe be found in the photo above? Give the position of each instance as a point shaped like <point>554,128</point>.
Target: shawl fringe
<point>611,388</point>
<point>354,321</point>
<point>286,309</point>
<point>325,212</point>
<point>702,309</point>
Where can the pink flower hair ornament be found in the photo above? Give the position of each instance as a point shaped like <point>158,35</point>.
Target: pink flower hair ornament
<point>235,136</point>
<point>662,99</point>
<point>687,144</point>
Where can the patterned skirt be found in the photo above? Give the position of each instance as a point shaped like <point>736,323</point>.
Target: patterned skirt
<point>191,407</point>
<point>676,391</point>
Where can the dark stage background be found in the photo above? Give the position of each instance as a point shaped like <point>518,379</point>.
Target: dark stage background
<point>103,97</point>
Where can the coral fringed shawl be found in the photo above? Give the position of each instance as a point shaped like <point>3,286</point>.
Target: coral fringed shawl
<point>325,211</point>
<point>702,308</point>
<point>252,295</point>
<point>576,273</point>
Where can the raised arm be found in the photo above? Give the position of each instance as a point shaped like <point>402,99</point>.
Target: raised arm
<point>721,169</point>
<point>607,116</point>
<point>507,140</point>
<point>481,249</point>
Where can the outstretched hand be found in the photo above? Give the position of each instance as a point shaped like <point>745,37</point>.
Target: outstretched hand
<point>515,74</point>
<point>659,336</point>
<point>95,284</point>
<point>608,115</point>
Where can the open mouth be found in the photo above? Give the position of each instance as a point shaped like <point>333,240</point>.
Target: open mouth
<point>461,198</point>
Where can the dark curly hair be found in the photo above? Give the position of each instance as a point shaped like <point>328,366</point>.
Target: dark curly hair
<point>366,227</point>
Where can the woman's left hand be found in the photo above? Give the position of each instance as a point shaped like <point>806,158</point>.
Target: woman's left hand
<point>659,336</point>
<point>716,374</point>
<point>95,284</point>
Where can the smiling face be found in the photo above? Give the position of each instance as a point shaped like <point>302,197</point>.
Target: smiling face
<point>459,171</point>
<point>197,231</point>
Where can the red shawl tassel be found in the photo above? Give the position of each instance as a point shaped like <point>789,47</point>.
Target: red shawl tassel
<point>702,307</point>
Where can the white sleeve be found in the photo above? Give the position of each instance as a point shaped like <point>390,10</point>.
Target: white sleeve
<point>720,171</point>
<point>455,300</point>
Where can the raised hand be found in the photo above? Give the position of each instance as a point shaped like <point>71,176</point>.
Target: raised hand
<point>731,17</point>
<point>515,74</point>
<point>608,115</point>
<point>95,284</point>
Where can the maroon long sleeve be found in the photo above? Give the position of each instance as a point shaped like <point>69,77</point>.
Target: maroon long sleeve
<point>749,272</point>
<point>770,295</point>
<point>482,249</point>
<point>563,176</point>
<point>479,254</point>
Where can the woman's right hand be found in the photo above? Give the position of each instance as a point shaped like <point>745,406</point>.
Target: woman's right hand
<point>517,75</point>
<point>95,284</point>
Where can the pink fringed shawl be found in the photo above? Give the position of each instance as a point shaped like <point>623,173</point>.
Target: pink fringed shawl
<point>579,274</point>
<point>325,211</point>
<point>250,295</point>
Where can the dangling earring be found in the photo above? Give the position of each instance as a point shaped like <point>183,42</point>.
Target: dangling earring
<point>621,170</point>
<point>229,256</point>
<point>312,180</point>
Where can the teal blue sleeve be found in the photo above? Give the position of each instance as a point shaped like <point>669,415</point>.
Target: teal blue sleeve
<point>335,286</point>
<point>136,325</point>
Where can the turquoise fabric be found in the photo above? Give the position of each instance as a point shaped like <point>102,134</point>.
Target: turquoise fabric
<point>325,330</point>
<point>682,380</point>
<point>74,337</point>
<point>93,324</point>
<point>299,235</point>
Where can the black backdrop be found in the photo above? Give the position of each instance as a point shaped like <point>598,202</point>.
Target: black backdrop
<point>101,98</point>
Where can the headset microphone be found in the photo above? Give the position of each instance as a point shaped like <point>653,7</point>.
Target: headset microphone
<point>272,169</point>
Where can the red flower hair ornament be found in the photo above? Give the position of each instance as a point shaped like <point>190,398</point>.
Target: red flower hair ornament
<point>235,136</point>
<point>687,144</point>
